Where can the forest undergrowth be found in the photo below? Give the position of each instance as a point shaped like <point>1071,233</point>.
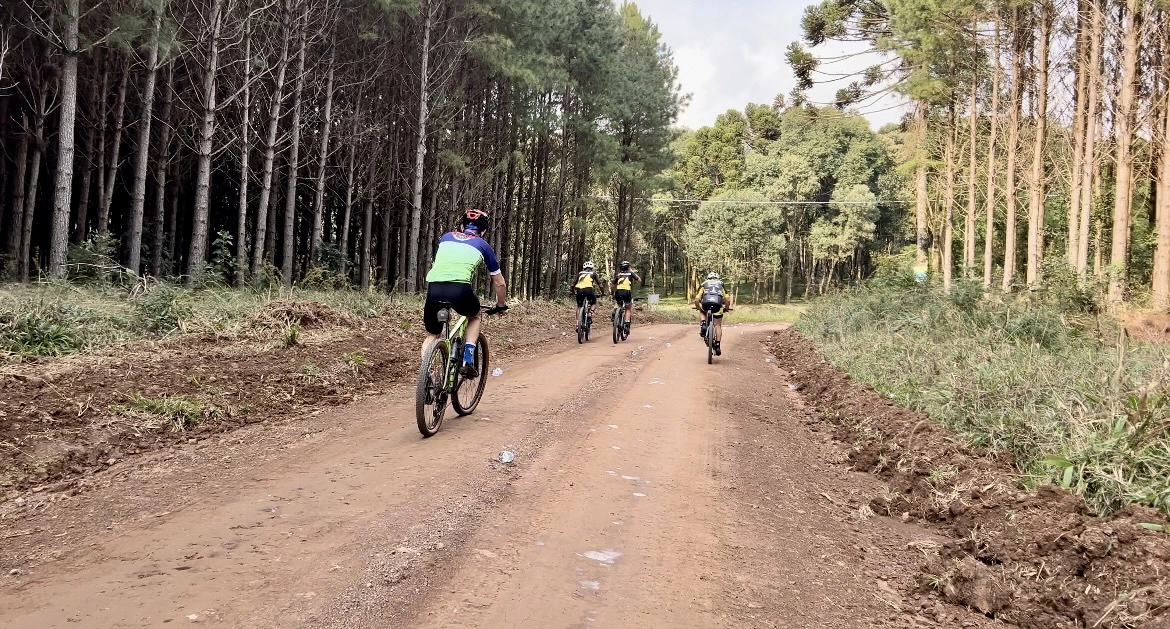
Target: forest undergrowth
<point>1042,379</point>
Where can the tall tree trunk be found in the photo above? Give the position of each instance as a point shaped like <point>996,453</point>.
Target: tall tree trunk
<point>34,177</point>
<point>294,153</point>
<point>103,118</point>
<point>1089,163</point>
<point>367,232</point>
<point>111,174</point>
<point>138,190</point>
<point>81,228</point>
<point>948,261</point>
<point>1036,183</point>
<point>1078,123</point>
<point>197,252</point>
<point>1010,194</point>
<point>326,128</point>
<point>263,225</point>
<point>989,199</point>
<point>972,177</point>
<point>245,159</point>
<point>921,198</point>
<point>63,186</point>
<point>16,228</point>
<point>1161,278</point>
<point>161,164</point>
<point>1122,202</point>
<point>420,151</point>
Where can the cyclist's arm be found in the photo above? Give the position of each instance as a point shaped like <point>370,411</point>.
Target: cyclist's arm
<point>493,267</point>
<point>501,288</point>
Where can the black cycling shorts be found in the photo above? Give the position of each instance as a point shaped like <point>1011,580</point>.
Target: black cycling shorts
<point>586,294</point>
<point>713,304</point>
<point>623,297</point>
<point>461,297</point>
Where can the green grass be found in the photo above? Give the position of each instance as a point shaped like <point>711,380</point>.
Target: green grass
<point>1060,391</point>
<point>177,411</point>
<point>56,317</point>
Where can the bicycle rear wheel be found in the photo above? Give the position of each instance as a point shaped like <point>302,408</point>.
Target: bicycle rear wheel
<point>581,330</point>
<point>468,391</point>
<point>618,315</point>
<point>710,341</point>
<point>430,395</point>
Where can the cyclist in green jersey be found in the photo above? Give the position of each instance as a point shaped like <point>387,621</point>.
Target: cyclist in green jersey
<point>457,259</point>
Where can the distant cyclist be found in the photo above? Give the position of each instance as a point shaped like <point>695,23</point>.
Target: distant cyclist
<point>712,300</point>
<point>458,257</point>
<point>586,288</point>
<point>623,290</point>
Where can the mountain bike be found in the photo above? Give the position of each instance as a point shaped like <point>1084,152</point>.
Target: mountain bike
<point>621,327</point>
<point>584,323</point>
<point>710,337</point>
<point>440,378</point>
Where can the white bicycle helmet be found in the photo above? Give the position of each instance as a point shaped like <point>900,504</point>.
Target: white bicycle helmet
<point>588,266</point>
<point>712,275</point>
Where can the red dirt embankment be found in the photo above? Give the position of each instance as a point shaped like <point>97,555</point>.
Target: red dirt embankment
<point>1036,559</point>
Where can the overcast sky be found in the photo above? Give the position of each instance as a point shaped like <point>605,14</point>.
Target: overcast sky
<point>731,52</point>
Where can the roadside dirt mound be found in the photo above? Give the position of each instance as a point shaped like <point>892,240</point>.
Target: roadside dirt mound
<point>1151,327</point>
<point>62,419</point>
<point>1036,559</point>
<point>307,314</point>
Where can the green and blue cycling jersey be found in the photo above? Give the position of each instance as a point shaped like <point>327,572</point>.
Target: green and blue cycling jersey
<point>459,256</point>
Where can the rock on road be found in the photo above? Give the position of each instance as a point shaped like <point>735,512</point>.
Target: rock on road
<point>649,490</point>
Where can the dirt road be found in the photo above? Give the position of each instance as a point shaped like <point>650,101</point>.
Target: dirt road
<point>649,490</point>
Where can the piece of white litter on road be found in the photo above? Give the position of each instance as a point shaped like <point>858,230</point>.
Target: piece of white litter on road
<point>616,447</point>
<point>668,344</point>
<point>647,406</point>
<point>656,381</point>
<point>507,457</point>
<point>589,585</point>
<point>606,556</point>
<point>192,616</point>
<point>616,523</point>
<point>630,477</point>
<point>497,372</point>
<point>611,472</point>
<point>613,426</point>
<point>639,495</point>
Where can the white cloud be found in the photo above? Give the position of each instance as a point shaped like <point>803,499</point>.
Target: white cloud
<point>730,53</point>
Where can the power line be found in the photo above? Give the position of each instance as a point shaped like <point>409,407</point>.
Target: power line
<point>732,201</point>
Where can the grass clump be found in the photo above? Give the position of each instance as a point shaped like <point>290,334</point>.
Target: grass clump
<point>1041,378</point>
<point>40,329</point>
<point>178,411</point>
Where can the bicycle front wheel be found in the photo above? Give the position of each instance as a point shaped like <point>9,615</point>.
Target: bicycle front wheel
<point>430,395</point>
<point>617,325</point>
<point>468,391</point>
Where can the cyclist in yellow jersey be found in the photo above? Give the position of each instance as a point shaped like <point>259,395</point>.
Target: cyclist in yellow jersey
<point>586,289</point>
<point>623,290</point>
<point>711,298</point>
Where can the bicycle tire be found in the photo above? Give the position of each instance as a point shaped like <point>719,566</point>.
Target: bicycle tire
<point>581,333</point>
<point>480,382</point>
<point>710,342</point>
<point>617,325</point>
<point>429,416</point>
<point>588,326</point>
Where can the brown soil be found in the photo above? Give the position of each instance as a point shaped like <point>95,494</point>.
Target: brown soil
<point>1149,327</point>
<point>63,419</point>
<point>1036,559</point>
<point>649,489</point>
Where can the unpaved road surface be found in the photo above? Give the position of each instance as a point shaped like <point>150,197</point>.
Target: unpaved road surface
<point>649,490</point>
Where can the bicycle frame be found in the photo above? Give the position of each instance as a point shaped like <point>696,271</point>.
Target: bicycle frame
<point>453,338</point>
